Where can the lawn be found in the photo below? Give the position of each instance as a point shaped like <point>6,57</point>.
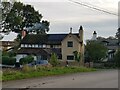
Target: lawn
<point>12,74</point>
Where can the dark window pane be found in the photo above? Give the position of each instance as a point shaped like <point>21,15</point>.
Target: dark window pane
<point>70,57</point>
<point>51,46</point>
<point>60,56</point>
<point>70,44</point>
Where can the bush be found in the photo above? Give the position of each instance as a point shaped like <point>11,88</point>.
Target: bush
<point>26,60</point>
<point>117,58</point>
<point>53,60</point>
<point>10,54</point>
<point>6,60</point>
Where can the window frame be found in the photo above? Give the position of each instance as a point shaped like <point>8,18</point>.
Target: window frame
<point>69,43</point>
<point>70,56</point>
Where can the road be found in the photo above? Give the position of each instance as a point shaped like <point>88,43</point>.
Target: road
<point>98,79</point>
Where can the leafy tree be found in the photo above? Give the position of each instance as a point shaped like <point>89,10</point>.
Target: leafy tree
<point>23,16</point>
<point>77,56</point>
<point>117,58</point>
<point>95,51</point>
<point>118,34</point>
<point>54,60</point>
<point>5,8</point>
<point>26,60</point>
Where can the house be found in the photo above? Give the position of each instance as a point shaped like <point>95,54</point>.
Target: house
<point>5,45</point>
<point>43,45</point>
<point>111,43</point>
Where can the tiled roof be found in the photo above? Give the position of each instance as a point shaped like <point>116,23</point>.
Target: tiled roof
<point>34,51</point>
<point>34,39</point>
<point>39,51</point>
<point>44,39</point>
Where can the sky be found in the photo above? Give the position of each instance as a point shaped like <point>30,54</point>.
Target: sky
<point>63,14</point>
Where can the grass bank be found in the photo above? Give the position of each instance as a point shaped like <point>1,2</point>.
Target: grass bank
<point>12,74</point>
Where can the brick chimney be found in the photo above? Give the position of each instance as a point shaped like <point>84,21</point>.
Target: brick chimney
<point>23,33</point>
<point>81,33</point>
<point>71,30</point>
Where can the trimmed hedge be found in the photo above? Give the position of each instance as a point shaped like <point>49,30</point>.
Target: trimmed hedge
<point>6,60</point>
<point>26,60</point>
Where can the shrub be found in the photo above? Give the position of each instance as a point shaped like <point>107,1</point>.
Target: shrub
<point>26,60</point>
<point>8,60</point>
<point>53,60</point>
<point>10,54</point>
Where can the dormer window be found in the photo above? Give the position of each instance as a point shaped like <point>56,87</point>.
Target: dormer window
<point>44,45</point>
<point>26,45</point>
<point>70,44</point>
<point>36,46</point>
<point>22,45</point>
<point>40,46</point>
<point>29,45</point>
<point>33,45</point>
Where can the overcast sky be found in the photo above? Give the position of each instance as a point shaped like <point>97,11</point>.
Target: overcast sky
<point>63,14</point>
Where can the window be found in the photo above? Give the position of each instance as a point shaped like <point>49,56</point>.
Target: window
<point>51,46</point>
<point>36,45</point>
<point>22,45</point>
<point>70,57</point>
<point>26,45</point>
<point>33,45</point>
<point>70,44</point>
<point>60,56</point>
<point>40,46</point>
<point>29,45</point>
<point>44,46</point>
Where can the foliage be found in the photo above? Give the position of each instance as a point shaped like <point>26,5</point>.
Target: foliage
<point>4,53</point>
<point>6,60</point>
<point>26,60</point>
<point>6,6</point>
<point>118,34</point>
<point>54,60</point>
<point>95,51</point>
<point>22,16</point>
<point>117,58</point>
<point>10,54</point>
<point>26,68</point>
<point>77,56</point>
<point>12,74</point>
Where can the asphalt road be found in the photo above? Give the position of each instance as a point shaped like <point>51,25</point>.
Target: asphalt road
<point>98,79</point>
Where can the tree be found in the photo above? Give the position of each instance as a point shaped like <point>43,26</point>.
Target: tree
<point>95,51</point>
<point>77,56</point>
<point>23,16</point>
<point>117,58</point>
<point>54,60</point>
<point>118,34</point>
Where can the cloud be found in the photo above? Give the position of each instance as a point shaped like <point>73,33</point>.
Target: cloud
<point>63,14</point>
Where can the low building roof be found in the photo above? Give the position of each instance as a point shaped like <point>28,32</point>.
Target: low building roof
<point>39,51</point>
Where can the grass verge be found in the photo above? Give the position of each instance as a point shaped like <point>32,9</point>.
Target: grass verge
<point>12,74</point>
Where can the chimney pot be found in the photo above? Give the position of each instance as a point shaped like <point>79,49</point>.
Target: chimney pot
<point>71,30</point>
